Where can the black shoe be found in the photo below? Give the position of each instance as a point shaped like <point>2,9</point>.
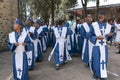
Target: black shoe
<point>102,78</point>
<point>38,60</point>
<point>95,77</point>
<point>117,52</point>
<point>57,67</point>
<point>65,63</point>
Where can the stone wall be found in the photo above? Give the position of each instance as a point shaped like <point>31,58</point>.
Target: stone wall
<point>8,13</point>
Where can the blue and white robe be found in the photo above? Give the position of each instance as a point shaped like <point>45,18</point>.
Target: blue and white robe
<point>80,39</point>
<point>53,41</point>
<point>117,38</point>
<point>20,63</point>
<point>60,51</point>
<point>100,50</point>
<point>30,52</point>
<point>49,36</point>
<point>44,37</point>
<point>87,45</point>
<point>38,45</point>
<point>72,39</point>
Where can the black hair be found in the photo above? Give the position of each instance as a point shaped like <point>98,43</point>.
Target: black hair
<point>87,15</point>
<point>71,17</point>
<point>60,22</point>
<point>101,13</point>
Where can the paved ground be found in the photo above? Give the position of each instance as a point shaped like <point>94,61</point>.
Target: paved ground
<point>74,70</point>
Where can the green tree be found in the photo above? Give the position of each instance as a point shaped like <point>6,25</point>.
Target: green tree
<point>49,8</point>
<point>97,8</point>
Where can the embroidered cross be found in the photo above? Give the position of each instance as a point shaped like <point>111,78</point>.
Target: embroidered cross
<point>19,70</point>
<point>60,31</point>
<point>103,30</point>
<point>103,63</point>
<point>29,59</point>
<point>101,42</point>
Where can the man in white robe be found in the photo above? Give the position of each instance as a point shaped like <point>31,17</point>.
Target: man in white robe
<point>101,30</point>
<point>32,35</point>
<point>60,51</point>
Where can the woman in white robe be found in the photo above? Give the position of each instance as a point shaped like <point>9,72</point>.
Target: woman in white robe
<point>18,44</point>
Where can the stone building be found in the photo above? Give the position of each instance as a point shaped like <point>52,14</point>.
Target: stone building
<point>8,13</point>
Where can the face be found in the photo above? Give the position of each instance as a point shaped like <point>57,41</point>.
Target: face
<point>79,22</point>
<point>16,27</point>
<point>27,23</point>
<point>89,18</point>
<point>101,18</point>
<point>63,24</point>
<point>35,25</point>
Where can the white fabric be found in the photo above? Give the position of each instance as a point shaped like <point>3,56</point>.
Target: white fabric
<point>29,56</point>
<point>117,39</point>
<point>39,30</point>
<point>83,49</point>
<point>90,53</point>
<point>102,47</point>
<point>43,38</point>
<point>29,53</point>
<point>36,41</point>
<point>44,44</point>
<point>18,52</point>
<point>25,30</point>
<point>32,29</point>
<point>12,38</point>
<point>68,43</point>
<point>73,26</point>
<point>87,29</point>
<point>35,47</point>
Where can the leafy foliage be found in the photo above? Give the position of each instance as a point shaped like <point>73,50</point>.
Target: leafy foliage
<point>44,8</point>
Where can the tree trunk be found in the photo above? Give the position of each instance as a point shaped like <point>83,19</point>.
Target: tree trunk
<point>84,4</point>
<point>97,9</point>
<point>52,11</point>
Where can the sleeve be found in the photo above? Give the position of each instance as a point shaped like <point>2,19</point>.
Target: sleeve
<point>66,24</point>
<point>92,37</point>
<point>45,29</point>
<point>41,35</point>
<point>29,44</point>
<point>54,40</point>
<point>11,46</point>
<point>69,31</point>
<point>34,35</point>
<point>82,31</point>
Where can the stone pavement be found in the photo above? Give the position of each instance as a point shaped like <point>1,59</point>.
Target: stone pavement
<point>73,70</point>
<point>5,65</point>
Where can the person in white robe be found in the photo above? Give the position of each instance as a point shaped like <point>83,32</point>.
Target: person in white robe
<point>86,28</point>
<point>99,59</point>
<point>32,35</point>
<point>37,42</point>
<point>72,39</point>
<point>60,51</point>
<point>18,43</point>
<point>117,38</point>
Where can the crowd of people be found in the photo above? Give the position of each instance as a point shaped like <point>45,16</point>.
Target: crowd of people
<point>86,39</point>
